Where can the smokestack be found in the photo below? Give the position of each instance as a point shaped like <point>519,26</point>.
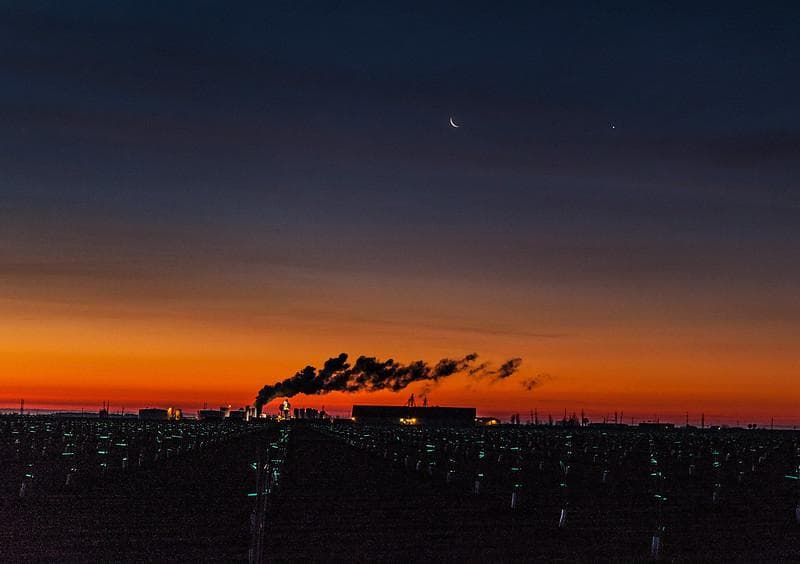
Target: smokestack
<point>369,374</point>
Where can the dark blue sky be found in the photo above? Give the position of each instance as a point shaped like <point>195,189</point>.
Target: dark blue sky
<point>199,198</point>
<point>183,137</point>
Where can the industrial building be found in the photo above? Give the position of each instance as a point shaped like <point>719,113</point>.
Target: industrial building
<point>242,414</point>
<point>153,414</point>
<point>405,415</point>
<point>309,413</point>
<point>212,414</point>
<point>159,414</point>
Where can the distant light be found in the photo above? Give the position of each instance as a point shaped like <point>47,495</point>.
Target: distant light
<point>254,494</point>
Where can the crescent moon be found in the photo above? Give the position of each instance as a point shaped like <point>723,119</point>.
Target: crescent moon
<point>453,124</point>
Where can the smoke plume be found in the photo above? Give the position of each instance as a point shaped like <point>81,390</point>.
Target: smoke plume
<point>368,374</point>
<point>535,381</point>
<point>508,368</point>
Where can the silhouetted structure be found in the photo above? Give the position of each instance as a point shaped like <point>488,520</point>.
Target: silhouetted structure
<point>607,426</point>
<point>211,414</point>
<point>153,414</point>
<point>308,413</point>
<point>285,408</point>
<point>394,415</point>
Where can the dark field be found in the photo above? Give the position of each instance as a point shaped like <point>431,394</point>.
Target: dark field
<point>352,493</point>
<point>383,494</point>
<point>186,504</point>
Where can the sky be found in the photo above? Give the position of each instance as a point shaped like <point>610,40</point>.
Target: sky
<point>201,198</point>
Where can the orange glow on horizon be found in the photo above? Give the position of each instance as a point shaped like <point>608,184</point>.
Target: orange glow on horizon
<point>62,353</point>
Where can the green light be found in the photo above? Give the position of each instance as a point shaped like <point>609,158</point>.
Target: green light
<point>255,494</point>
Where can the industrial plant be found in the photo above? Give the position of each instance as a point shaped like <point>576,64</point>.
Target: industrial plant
<point>405,415</point>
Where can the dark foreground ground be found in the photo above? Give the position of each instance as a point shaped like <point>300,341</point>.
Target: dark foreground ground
<point>193,508</point>
<point>338,503</point>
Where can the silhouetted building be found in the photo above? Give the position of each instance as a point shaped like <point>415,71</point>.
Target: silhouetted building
<point>406,415</point>
<point>211,414</point>
<point>285,408</point>
<point>607,426</point>
<point>308,413</point>
<point>241,414</point>
<point>153,414</point>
